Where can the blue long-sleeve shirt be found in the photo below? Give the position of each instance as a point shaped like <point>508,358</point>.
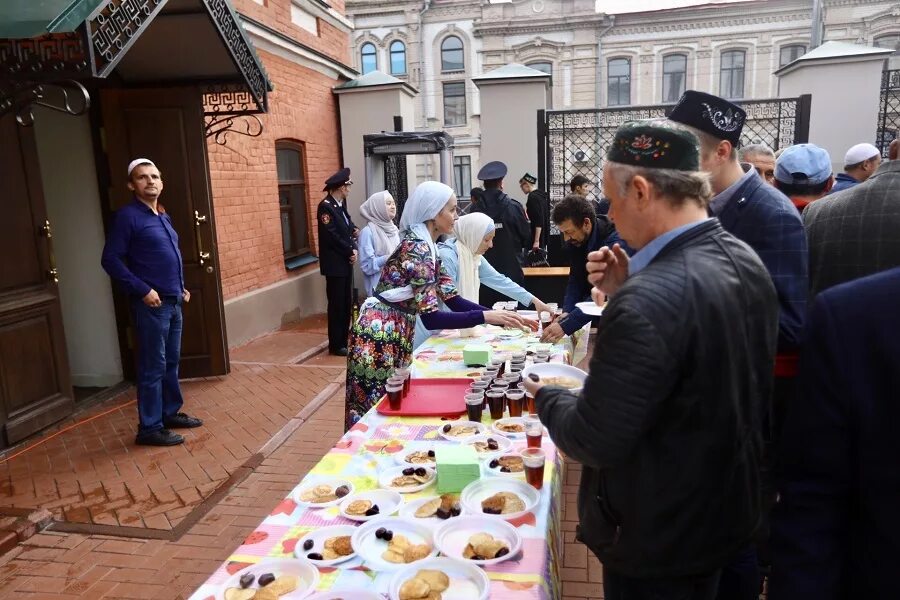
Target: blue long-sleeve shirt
<point>488,275</point>
<point>369,261</point>
<point>141,252</point>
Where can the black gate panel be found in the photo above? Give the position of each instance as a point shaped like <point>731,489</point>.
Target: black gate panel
<point>888,111</point>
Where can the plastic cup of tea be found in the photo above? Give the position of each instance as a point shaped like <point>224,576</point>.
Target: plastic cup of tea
<point>395,394</point>
<point>398,380</point>
<point>480,385</point>
<point>546,319</point>
<point>496,400</point>
<point>529,404</point>
<point>534,459</point>
<point>498,364</point>
<point>534,432</point>
<point>474,406</point>
<point>514,400</point>
<point>406,374</point>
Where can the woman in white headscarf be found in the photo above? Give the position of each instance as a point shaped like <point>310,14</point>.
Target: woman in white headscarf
<point>379,238</point>
<point>461,256</point>
<point>412,283</point>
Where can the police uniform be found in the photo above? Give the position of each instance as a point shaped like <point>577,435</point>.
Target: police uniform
<point>512,231</point>
<point>536,206</point>
<point>336,246</point>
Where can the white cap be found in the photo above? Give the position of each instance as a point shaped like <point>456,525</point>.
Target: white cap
<point>138,161</point>
<point>859,153</point>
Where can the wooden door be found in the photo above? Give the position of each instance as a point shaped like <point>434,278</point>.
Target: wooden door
<point>166,126</point>
<point>35,385</point>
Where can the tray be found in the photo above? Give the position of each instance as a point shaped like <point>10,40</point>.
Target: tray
<point>430,398</point>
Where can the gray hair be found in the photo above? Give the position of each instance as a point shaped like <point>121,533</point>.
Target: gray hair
<point>677,186</point>
<point>758,149</point>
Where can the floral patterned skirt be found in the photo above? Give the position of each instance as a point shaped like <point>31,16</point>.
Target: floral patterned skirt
<point>380,341</point>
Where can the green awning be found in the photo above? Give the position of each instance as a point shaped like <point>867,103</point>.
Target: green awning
<point>21,19</point>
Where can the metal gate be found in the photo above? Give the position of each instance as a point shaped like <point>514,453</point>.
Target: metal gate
<point>888,111</point>
<point>573,142</point>
<point>395,180</point>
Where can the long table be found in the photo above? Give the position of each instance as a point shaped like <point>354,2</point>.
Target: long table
<point>371,445</point>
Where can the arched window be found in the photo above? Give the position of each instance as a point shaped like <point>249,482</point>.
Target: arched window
<point>619,82</point>
<point>543,67</point>
<point>674,76</point>
<point>398,58</point>
<point>452,54</point>
<point>790,53</point>
<point>368,62</point>
<point>292,198</point>
<point>731,74</point>
<point>892,42</point>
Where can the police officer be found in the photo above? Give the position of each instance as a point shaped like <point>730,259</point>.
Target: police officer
<point>513,232</point>
<point>536,205</point>
<point>337,254</point>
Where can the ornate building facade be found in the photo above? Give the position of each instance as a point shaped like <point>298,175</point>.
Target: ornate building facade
<point>595,59</point>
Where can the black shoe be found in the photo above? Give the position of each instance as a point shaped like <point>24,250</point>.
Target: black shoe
<point>339,352</point>
<point>160,437</point>
<point>181,421</point>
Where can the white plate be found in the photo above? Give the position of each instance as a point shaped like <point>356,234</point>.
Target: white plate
<point>477,491</point>
<point>387,501</point>
<point>513,475</point>
<point>479,426</point>
<point>467,582</point>
<point>307,573</point>
<point>400,457</point>
<point>370,548</point>
<point>318,536</point>
<point>408,511</point>
<point>384,480</point>
<point>503,443</point>
<point>510,421</point>
<point>452,538</point>
<point>589,308</point>
<point>347,594</point>
<point>334,483</point>
<point>552,369</point>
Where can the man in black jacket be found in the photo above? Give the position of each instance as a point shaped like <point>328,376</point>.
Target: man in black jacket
<point>513,233</point>
<point>668,423</point>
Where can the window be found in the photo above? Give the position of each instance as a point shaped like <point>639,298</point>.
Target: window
<point>452,54</point>
<point>731,74</point>
<point>891,41</point>
<point>462,176</point>
<point>790,53</point>
<point>369,62</point>
<point>398,58</point>
<point>543,67</point>
<point>292,198</point>
<point>455,103</point>
<point>619,85</point>
<point>674,76</point>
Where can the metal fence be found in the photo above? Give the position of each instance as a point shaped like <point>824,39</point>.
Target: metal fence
<point>573,142</point>
<point>888,111</point>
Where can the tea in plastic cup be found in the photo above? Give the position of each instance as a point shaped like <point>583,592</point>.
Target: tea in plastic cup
<point>514,400</point>
<point>534,432</point>
<point>534,459</point>
<point>474,406</point>
<point>395,394</point>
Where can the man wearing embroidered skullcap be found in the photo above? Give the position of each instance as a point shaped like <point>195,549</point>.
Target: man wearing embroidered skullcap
<point>513,234</point>
<point>142,257</point>
<point>767,221</point>
<point>860,163</point>
<point>667,426</point>
<point>803,174</point>
<point>337,255</point>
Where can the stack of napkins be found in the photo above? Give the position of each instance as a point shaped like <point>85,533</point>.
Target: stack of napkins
<point>476,355</point>
<point>457,467</point>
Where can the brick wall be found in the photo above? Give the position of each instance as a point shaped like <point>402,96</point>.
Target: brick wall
<point>244,180</point>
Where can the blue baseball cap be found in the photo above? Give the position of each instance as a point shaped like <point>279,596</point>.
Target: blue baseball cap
<point>803,164</point>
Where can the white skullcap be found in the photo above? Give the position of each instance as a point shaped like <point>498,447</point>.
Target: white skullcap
<point>139,161</point>
<point>859,153</point>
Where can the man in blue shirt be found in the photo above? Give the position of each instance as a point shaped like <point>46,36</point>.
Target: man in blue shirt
<point>142,256</point>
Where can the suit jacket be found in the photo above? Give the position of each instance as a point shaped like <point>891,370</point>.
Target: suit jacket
<point>765,219</point>
<point>855,232</point>
<point>836,530</point>
<point>336,241</point>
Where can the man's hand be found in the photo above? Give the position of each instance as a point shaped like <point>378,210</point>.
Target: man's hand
<point>532,387</point>
<point>554,333</point>
<point>540,307</point>
<point>506,318</point>
<point>608,268</point>
<point>152,299</point>
<point>186,296</point>
<point>353,257</point>
<point>356,232</point>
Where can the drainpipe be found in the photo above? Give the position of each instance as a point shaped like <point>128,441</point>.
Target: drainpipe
<point>815,36</point>
<point>599,84</point>
<point>426,5</point>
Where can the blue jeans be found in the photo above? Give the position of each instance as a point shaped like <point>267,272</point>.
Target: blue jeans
<point>158,337</point>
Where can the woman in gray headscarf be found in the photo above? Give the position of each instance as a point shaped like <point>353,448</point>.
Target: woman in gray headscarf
<point>379,238</point>
<point>411,284</point>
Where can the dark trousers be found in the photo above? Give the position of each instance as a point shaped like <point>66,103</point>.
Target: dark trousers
<point>338,291</point>
<point>695,587</point>
<point>158,337</point>
<point>741,579</point>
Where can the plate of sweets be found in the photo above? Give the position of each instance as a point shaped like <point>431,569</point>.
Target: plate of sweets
<point>326,546</point>
<point>558,374</point>
<point>271,579</point>
<point>388,543</point>
<point>407,480</point>
<point>507,465</point>
<point>489,445</point>
<point>461,431</point>
<point>481,540</point>
<point>513,427</point>
<point>505,498</point>
<point>322,494</point>
<point>432,509</point>
<point>370,504</point>
<point>442,578</point>
<point>416,456</point>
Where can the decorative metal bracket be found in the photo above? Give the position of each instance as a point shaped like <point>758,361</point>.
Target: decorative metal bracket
<point>68,97</point>
<point>218,127</point>
<point>230,108</point>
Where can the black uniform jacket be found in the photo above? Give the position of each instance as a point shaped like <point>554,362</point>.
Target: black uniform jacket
<point>513,232</point>
<point>668,423</point>
<point>336,241</point>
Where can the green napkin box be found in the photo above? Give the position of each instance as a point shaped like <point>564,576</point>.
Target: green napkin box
<point>457,467</point>
<point>477,355</point>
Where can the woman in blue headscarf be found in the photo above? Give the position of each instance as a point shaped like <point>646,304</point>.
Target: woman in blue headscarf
<point>412,284</point>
